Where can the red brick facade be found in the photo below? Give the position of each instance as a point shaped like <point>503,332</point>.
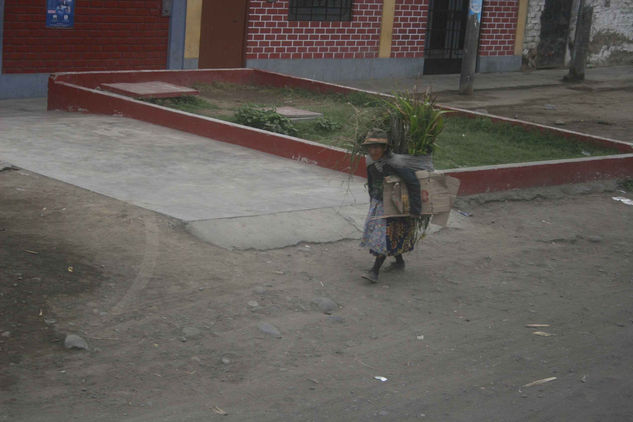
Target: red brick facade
<point>409,28</point>
<point>106,35</point>
<point>133,34</point>
<point>498,27</point>
<point>272,36</point>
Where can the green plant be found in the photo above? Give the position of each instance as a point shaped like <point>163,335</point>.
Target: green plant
<point>190,103</point>
<point>415,123</point>
<point>265,118</point>
<point>363,99</point>
<point>326,125</point>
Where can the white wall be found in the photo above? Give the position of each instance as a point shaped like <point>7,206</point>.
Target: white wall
<point>611,32</point>
<point>533,25</point>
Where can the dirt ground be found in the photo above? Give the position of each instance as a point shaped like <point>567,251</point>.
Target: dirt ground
<point>172,323</point>
<point>598,108</point>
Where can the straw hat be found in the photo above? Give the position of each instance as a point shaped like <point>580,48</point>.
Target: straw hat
<point>376,137</point>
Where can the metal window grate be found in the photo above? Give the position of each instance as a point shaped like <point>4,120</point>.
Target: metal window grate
<point>320,10</point>
<point>447,28</point>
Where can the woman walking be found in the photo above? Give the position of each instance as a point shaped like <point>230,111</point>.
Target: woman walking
<point>387,236</point>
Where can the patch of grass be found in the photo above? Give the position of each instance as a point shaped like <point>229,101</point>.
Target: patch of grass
<point>477,142</point>
<point>188,103</point>
<point>265,118</point>
<point>345,123</point>
<point>463,143</point>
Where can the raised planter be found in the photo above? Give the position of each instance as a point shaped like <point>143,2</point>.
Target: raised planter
<point>80,92</point>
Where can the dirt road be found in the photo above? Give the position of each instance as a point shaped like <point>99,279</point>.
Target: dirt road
<point>598,108</point>
<point>172,323</point>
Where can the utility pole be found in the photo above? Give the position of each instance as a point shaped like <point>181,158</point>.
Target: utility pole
<point>471,45</point>
<point>581,44</point>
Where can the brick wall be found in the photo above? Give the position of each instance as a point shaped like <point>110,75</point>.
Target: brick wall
<point>498,27</point>
<point>409,28</point>
<point>272,36</point>
<point>107,35</point>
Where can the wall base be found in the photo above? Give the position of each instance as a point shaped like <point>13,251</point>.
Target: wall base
<point>23,85</point>
<point>190,63</point>
<point>490,64</point>
<point>335,70</point>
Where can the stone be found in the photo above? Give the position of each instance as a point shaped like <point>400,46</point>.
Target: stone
<point>6,334</point>
<point>150,89</point>
<point>73,341</point>
<point>294,113</point>
<point>594,239</point>
<point>226,360</point>
<point>559,122</point>
<point>269,329</point>
<point>549,107</point>
<point>190,332</point>
<point>259,290</point>
<point>325,305</point>
<point>6,166</point>
<point>336,319</point>
<point>253,303</point>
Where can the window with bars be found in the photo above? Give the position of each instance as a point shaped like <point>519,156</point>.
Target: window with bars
<point>320,10</point>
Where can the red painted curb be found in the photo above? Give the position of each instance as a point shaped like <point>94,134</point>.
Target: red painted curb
<point>65,96</point>
<point>79,92</point>
<point>543,173</point>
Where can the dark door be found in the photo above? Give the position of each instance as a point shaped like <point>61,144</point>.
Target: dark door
<point>445,36</point>
<point>222,34</point>
<point>555,17</point>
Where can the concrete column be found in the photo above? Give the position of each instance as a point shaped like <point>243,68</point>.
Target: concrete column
<point>177,27</point>
<point>386,28</point>
<point>581,45</point>
<point>471,48</point>
<point>192,37</point>
<point>520,32</point>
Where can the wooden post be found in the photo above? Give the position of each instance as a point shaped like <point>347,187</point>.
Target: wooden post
<point>581,45</point>
<point>471,45</point>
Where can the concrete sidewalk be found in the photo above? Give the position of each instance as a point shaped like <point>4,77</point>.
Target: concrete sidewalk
<point>484,81</point>
<point>228,195</point>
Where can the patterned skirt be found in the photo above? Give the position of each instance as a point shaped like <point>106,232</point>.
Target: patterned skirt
<point>387,236</point>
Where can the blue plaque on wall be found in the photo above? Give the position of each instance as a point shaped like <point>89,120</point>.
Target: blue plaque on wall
<point>60,13</point>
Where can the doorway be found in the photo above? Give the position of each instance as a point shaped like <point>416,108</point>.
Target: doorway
<point>445,36</point>
<point>552,46</point>
<point>223,34</point>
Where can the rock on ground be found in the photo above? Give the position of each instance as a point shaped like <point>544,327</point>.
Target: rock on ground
<point>269,329</point>
<point>325,304</point>
<point>191,332</point>
<point>73,341</point>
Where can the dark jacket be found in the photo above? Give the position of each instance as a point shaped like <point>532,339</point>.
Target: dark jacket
<point>378,170</point>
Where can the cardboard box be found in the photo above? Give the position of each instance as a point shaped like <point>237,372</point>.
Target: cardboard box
<point>437,192</point>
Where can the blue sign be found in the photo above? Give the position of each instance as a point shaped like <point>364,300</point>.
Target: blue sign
<point>60,13</point>
<point>475,8</point>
